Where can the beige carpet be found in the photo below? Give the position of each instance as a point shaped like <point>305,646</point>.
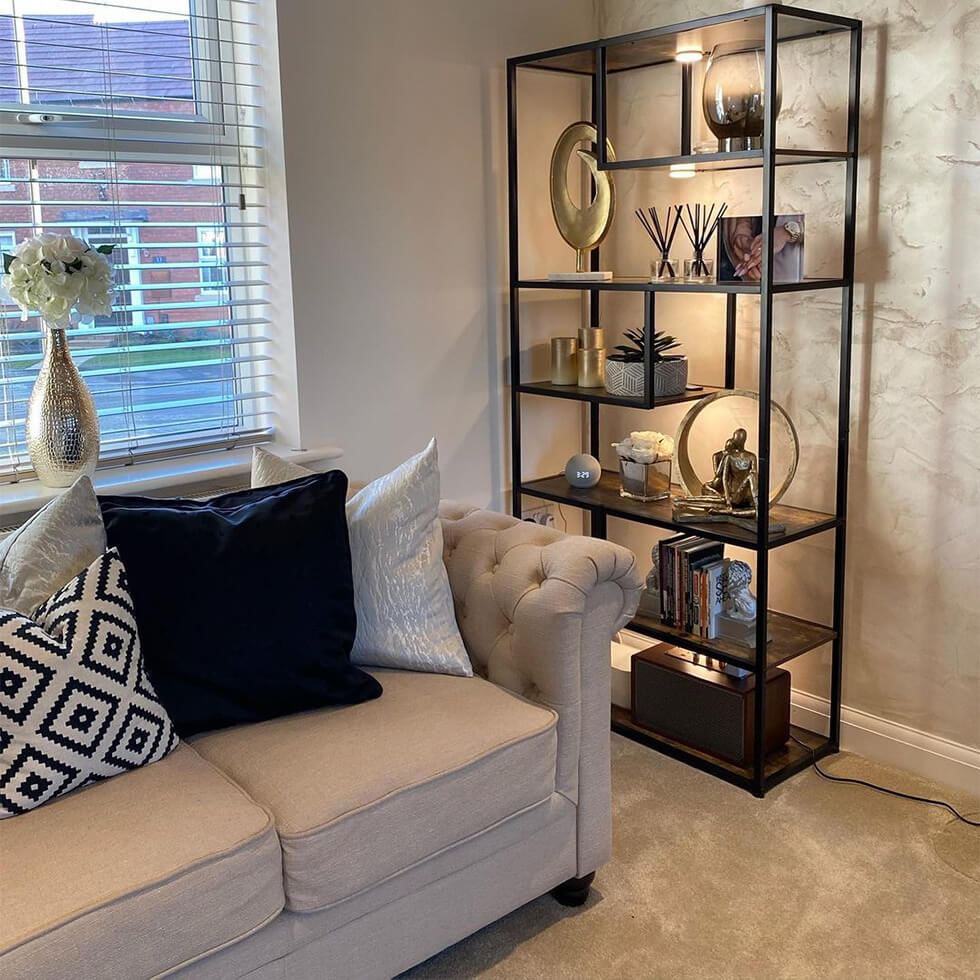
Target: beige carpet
<point>817,880</point>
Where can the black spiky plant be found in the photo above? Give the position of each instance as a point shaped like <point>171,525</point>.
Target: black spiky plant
<point>635,351</point>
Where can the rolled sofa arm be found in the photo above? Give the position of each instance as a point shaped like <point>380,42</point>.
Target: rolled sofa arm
<point>537,610</point>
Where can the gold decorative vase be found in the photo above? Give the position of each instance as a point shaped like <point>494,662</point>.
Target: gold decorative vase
<point>62,425</point>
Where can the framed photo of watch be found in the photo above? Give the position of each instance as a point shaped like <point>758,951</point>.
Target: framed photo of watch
<point>740,248</point>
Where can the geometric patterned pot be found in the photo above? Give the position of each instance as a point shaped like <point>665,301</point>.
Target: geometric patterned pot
<point>626,379</point>
<point>670,377</point>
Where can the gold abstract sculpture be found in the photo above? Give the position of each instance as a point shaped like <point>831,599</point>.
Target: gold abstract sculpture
<point>731,495</point>
<point>583,228</point>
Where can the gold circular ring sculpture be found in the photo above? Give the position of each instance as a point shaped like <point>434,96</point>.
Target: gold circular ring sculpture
<point>692,483</point>
<point>582,228</point>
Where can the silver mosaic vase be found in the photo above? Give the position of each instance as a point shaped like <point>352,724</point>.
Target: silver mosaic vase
<point>62,425</point>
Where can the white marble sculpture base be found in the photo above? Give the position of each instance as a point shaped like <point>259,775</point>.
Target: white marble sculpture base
<point>580,276</point>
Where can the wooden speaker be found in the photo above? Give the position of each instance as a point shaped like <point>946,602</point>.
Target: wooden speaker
<point>704,709</point>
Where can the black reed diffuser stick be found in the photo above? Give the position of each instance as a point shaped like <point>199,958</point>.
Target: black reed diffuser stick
<point>662,236</point>
<point>700,228</point>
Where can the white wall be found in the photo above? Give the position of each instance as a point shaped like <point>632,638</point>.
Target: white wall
<point>395,158</point>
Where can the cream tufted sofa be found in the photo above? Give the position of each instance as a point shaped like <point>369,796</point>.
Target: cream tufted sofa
<point>537,609</point>
<point>352,842</point>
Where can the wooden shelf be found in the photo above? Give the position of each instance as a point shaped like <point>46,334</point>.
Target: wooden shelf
<point>639,284</point>
<point>799,523</point>
<point>789,637</point>
<point>792,758</point>
<point>603,397</point>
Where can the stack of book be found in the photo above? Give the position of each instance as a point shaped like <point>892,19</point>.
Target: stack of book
<point>692,584</point>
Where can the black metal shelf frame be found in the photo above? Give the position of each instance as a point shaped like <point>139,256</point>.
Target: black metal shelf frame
<point>773,24</point>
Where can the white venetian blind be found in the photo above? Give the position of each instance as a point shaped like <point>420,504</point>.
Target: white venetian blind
<point>139,123</point>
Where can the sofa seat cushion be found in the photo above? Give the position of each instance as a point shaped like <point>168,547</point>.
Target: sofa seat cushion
<point>136,875</point>
<point>364,792</point>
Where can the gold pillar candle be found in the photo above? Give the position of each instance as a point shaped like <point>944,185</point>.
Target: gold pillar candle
<point>591,338</point>
<point>564,360</point>
<point>592,368</point>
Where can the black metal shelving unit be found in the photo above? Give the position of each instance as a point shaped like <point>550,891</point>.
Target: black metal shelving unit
<point>789,636</point>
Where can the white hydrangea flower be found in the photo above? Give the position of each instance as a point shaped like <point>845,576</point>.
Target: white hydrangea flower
<point>645,447</point>
<point>59,276</point>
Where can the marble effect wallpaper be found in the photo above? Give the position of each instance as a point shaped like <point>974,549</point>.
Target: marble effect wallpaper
<point>912,651</point>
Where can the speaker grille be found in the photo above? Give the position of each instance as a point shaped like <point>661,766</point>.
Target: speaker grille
<point>694,713</point>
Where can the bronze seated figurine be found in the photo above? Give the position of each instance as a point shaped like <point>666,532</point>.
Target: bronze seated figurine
<point>732,495</point>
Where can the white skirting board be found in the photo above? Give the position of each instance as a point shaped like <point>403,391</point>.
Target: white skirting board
<point>893,744</point>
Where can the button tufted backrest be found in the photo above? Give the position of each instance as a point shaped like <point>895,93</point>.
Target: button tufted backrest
<point>512,578</point>
<point>494,561</point>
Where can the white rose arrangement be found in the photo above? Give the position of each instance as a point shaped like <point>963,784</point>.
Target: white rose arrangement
<point>59,276</point>
<point>645,447</point>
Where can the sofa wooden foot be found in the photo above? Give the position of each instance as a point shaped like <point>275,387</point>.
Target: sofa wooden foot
<point>573,892</point>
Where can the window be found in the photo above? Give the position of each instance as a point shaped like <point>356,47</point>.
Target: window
<point>211,253</point>
<point>134,123</point>
<point>128,274</point>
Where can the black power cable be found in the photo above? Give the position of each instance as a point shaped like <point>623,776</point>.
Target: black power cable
<point>883,789</point>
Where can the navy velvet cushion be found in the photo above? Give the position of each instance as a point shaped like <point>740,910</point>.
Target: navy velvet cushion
<point>245,603</point>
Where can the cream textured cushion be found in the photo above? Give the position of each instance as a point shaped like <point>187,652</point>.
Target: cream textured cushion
<point>405,616</point>
<point>269,469</point>
<point>62,539</point>
<point>363,792</point>
<point>133,876</point>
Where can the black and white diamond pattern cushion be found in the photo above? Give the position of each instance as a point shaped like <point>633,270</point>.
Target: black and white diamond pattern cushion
<point>75,703</point>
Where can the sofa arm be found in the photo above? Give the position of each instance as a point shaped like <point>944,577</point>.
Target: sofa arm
<point>537,610</point>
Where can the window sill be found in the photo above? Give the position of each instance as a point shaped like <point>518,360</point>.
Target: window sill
<point>20,500</point>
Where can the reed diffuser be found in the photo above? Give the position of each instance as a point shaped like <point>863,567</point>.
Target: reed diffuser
<point>700,227</point>
<point>662,236</point>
